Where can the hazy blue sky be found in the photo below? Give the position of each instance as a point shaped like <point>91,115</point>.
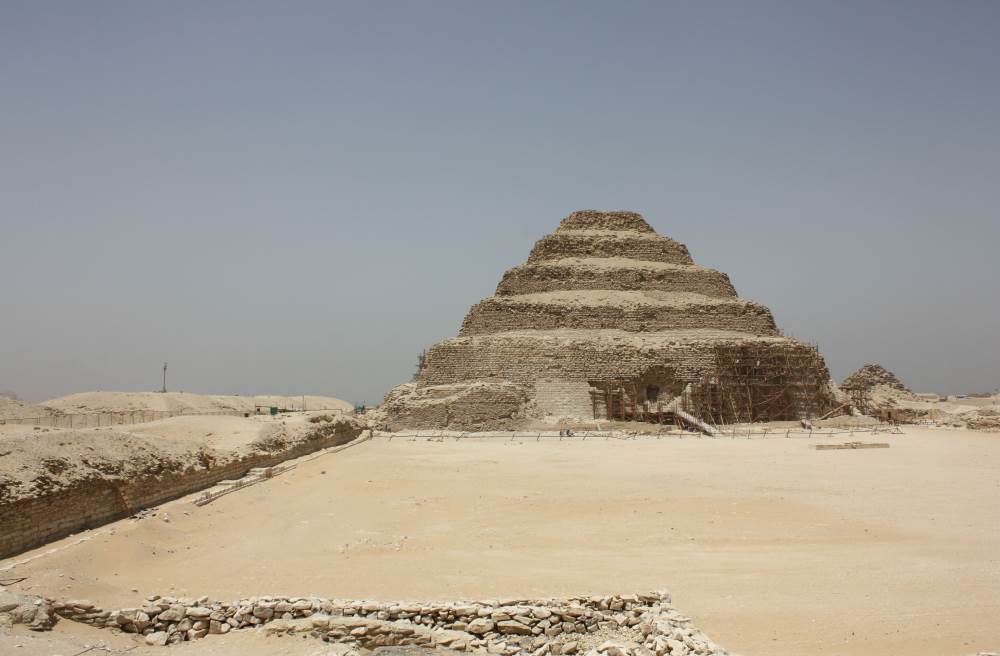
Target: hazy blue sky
<point>298,197</point>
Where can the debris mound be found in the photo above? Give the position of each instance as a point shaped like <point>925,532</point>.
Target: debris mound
<point>872,375</point>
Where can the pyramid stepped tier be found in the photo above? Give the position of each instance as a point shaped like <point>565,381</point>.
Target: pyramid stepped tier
<point>634,311</point>
<point>528,356</point>
<point>614,221</point>
<point>608,319</point>
<point>650,247</point>
<point>613,274</point>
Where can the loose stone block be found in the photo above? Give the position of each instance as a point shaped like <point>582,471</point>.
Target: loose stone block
<point>513,627</point>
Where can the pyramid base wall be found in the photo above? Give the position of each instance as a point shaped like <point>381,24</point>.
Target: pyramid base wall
<point>476,405</point>
<point>498,381</point>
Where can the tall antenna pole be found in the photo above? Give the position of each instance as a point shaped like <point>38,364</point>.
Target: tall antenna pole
<point>164,390</point>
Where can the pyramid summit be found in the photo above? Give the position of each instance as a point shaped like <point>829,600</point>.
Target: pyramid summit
<point>608,319</point>
<point>597,220</point>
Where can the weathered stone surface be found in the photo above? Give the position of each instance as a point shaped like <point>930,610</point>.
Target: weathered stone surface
<point>632,311</point>
<point>613,274</point>
<point>480,626</point>
<point>648,247</point>
<point>481,405</point>
<point>513,627</point>
<point>612,648</point>
<point>263,612</point>
<point>410,651</point>
<point>171,615</point>
<point>8,600</point>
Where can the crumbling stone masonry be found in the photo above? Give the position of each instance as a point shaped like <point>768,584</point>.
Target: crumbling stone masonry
<point>608,319</point>
<point>643,624</point>
<point>872,375</point>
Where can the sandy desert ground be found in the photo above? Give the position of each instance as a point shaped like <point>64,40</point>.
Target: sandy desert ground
<point>773,547</point>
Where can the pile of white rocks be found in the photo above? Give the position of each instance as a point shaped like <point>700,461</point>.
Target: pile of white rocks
<point>620,625</point>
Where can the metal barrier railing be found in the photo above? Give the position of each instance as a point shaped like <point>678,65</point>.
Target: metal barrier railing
<point>724,433</point>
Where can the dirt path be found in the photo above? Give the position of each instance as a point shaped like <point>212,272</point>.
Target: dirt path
<point>774,548</point>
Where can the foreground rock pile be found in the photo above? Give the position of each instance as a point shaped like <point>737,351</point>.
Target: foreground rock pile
<point>981,419</point>
<point>620,625</point>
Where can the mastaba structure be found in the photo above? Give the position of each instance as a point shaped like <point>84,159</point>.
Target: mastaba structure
<point>608,319</point>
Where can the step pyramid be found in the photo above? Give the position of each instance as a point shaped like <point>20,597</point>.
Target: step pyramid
<point>608,319</point>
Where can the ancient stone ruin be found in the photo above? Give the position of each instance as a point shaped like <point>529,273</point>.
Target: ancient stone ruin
<point>873,389</point>
<point>602,625</point>
<point>608,319</point>
<point>871,375</point>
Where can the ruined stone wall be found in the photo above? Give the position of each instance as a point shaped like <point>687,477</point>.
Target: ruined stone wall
<point>553,276</point>
<point>583,244</point>
<point>479,405</point>
<point>30,522</point>
<point>505,313</point>
<point>643,624</point>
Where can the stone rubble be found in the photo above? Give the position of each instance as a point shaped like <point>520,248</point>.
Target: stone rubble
<point>642,624</point>
<point>872,375</point>
<point>35,612</point>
